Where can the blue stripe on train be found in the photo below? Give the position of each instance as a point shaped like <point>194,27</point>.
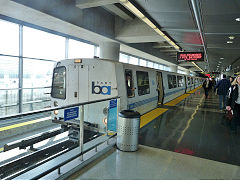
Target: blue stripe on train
<point>140,103</point>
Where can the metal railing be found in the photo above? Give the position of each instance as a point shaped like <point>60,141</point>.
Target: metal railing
<point>81,128</point>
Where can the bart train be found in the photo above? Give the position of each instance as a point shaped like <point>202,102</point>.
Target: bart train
<point>139,88</point>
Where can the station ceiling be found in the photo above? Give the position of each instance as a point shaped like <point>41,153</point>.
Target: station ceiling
<point>212,26</point>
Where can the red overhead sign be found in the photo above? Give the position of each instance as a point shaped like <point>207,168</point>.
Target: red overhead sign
<point>190,56</point>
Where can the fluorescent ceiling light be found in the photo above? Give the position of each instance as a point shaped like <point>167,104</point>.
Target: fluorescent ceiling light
<point>231,37</point>
<point>197,66</point>
<point>221,58</point>
<point>229,42</point>
<point>160,32</point>
<point>237,19</point>
<point>148,22</point>
<point>132,8</point>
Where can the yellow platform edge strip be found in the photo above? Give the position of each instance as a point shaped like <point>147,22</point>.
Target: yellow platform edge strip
<point>148,117</point>
<point>22,124</point>
<point>194,90</point>
<point>177,100</point>
<point>1,149</point>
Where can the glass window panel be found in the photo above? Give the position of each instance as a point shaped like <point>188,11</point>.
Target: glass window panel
<point>79,49</point>
<point>129,83</point>
<point>9,38</point>
<point>35,99</point>
<point>42,45</point>
<point>155,65</point>
<point>172,82</point>
<point>143,83</point>
<point>9,102</point>
<point>133,60</point>
<point>8,72</point>
<point>37,73</point>
<point>180,81</point>
<point>150,64</point>
<point>161,67</point>
<point>142,62</point>
<point>98,52</point>
<point>123,58</point>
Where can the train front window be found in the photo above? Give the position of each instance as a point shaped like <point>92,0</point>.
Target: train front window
<point>59,83</point>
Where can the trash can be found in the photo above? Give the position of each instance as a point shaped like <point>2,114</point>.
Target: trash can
<point>128,130</point>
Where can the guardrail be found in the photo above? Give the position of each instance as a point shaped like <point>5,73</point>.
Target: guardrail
<point>81,128</point>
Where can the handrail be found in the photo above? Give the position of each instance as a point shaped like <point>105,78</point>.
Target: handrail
<point>71,159</point>
<point>55,108</point>
<point>25,88</point>
<point>28,102</point>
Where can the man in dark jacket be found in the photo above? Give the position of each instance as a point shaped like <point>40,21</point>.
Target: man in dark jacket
<point>222,90</point>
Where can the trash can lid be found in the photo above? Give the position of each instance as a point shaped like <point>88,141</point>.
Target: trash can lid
<point>129,114</point>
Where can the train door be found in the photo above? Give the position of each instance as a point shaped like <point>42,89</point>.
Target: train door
<point>72,85</point>
<point>160,88</point>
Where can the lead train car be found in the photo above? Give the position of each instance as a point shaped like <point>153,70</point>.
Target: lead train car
<point>139,88</point>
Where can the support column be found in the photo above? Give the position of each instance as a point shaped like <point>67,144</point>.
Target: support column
<point>20,71</point>
<point>173,68</point>
<point>110,50</point>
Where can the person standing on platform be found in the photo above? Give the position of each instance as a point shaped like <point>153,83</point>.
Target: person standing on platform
<point>233,103</point>
<point>222,91</point>
<point>206,87</point>
<point>231,79</point>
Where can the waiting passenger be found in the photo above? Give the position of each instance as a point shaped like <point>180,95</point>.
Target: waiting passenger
<point>233,103</point>
<point>222,91</point>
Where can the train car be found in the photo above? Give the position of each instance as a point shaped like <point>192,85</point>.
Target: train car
<point>139,88</point>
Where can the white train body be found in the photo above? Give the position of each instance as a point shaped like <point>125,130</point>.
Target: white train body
<point>139,88</point>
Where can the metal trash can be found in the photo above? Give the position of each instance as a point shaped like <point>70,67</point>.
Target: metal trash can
<point>128,130</point>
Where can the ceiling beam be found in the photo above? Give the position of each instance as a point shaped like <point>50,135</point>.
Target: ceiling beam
<point>212,47</point>
<point>119,12</point>
<point>180,30</point>
<point>162,46</point>
<point>231,33</point>
<point>83,4</point>
<point>188,44</point>
<point>168,50</point>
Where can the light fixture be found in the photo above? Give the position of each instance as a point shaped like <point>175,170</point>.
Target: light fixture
<point>197,66</point>
<point>229,42</point>
<point>148,22</point>
<point>132,8</point>
<point>237,19</point>
<point>220,62</point>
<point>231,37</point>
<point>221,58</point>
<point>141,16</point>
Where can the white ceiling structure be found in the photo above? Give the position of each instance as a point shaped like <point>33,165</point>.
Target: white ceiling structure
<point>210,26</point>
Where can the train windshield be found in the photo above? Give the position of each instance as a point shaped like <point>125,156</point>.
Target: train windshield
<point>59,83</point>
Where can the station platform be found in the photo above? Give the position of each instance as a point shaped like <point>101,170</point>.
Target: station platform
<point>187,138</point>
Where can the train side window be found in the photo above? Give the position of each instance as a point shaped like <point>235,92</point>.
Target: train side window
<point>59,83</point>
<point>172,82</point>
<point>143,83</point>
<point>129,83</point>
<point>180,81</point>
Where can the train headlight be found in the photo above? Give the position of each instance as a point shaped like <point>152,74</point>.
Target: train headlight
<point>55,112</point>
<point>55,103</point>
